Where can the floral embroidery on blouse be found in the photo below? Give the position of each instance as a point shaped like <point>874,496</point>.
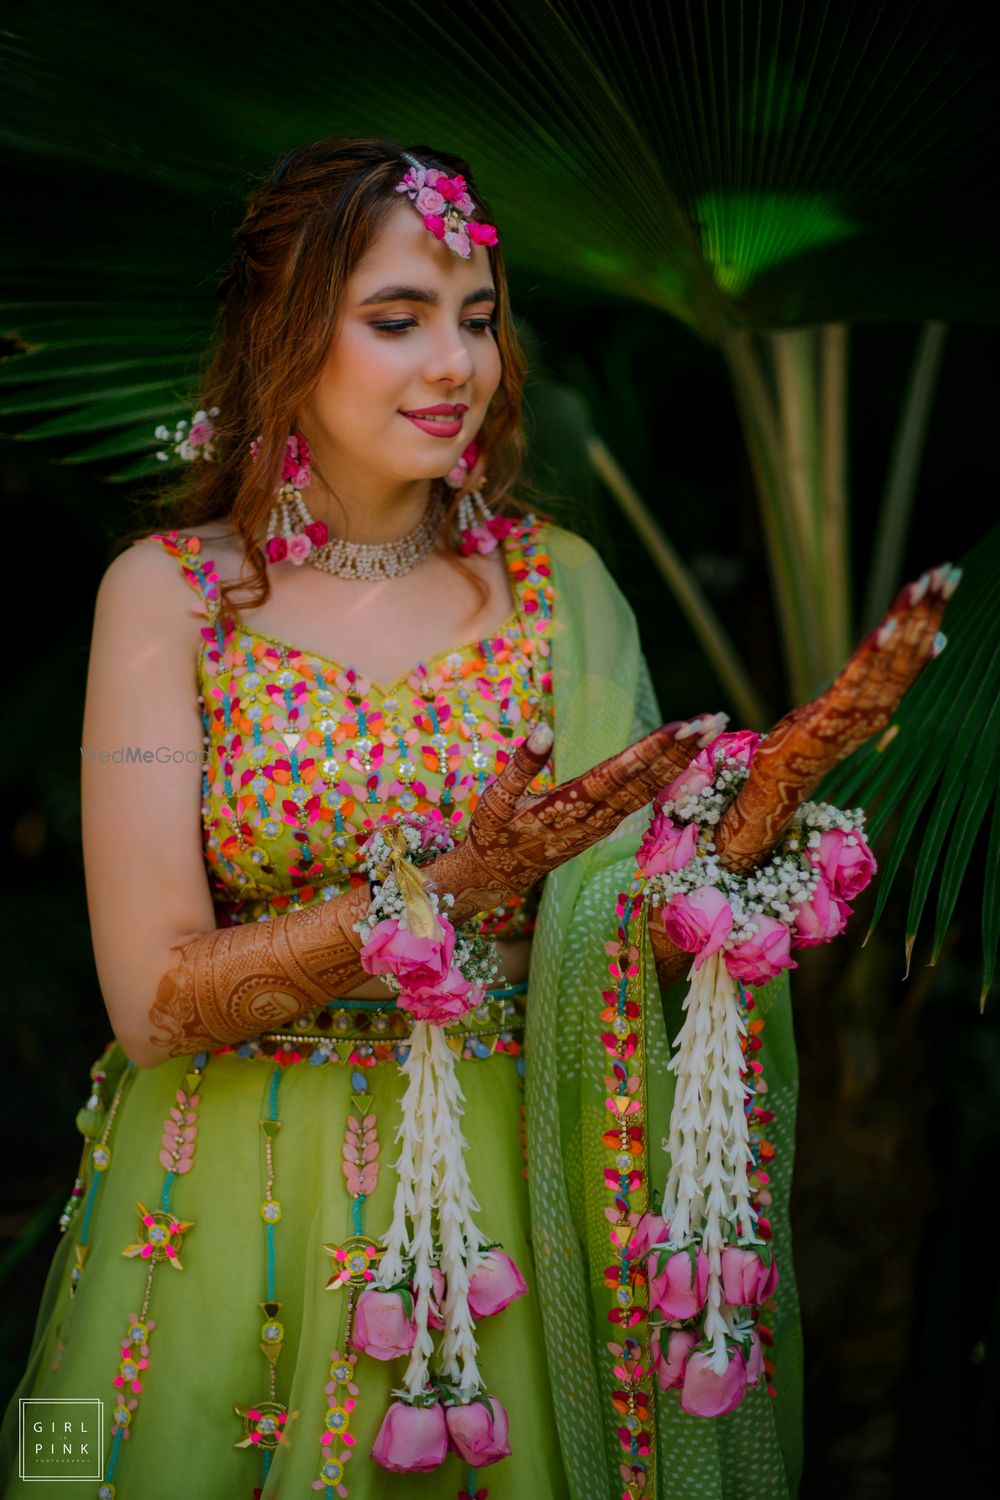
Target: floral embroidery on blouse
<point>304,755</point>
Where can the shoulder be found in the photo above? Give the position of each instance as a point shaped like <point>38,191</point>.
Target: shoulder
<point>164,558</point>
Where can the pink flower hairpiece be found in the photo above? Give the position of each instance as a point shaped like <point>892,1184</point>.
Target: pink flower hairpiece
<point>444,204</point>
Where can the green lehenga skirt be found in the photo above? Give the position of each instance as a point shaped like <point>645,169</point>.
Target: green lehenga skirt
<point>191,1291</point>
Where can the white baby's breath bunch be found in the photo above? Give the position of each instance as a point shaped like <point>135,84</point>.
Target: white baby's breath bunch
<point>190,441</point>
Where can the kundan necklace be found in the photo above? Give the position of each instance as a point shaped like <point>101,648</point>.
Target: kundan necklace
<point>291,522</point>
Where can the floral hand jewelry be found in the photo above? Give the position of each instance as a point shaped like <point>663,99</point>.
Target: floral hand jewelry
<point>444,204</point>
<point>408,941</point>
<point>437,1272</point>
<point>705,1258</point>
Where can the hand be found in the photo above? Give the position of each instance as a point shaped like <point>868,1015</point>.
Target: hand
<point>514,837</point>
<point>809,742</point>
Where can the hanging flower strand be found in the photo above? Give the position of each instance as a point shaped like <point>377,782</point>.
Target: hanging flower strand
<point>709,1264</point>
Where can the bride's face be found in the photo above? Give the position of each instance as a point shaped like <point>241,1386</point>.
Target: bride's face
<point>439,350</point>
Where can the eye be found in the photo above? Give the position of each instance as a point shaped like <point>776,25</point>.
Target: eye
<point>478,325</point>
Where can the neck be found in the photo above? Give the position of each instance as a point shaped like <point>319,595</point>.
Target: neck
<point>367,512</point>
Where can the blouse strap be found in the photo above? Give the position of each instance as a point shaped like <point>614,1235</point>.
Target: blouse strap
<point>200,572</point>
<point>531,572</point>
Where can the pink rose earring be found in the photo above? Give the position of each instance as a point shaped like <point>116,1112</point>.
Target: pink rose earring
<point>291,531</point>
<point>479,529</point>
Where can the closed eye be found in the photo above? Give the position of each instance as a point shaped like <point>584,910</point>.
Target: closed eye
<point>478,325</point>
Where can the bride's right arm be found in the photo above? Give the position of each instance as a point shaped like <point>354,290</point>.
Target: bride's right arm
<point>173,982</point>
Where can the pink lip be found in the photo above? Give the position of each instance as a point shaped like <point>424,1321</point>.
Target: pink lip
<point>443,409</point>
<point>436,429</point>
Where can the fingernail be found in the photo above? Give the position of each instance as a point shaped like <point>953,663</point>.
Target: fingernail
<point>540,738</point>
<point>888,629</point>
<point>951,582</point>
<point>919,589</point>
<point>940,641</point>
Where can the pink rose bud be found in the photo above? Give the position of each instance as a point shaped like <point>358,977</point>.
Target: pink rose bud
<point>735,744</point>
<point>383,1327</point>
<point>755,1359</point>
<point>482,234</point>
<point>412,1439</point>
<point>669,1366</point>
<point>435,224</point>
<point>478,1432</point>
<point>318,533</point>
<point>707,1394</point>
<point>299,548</point>
<point>497,1283</point>
<point>678,1289</point>
<point>747,1279</point>
<point>429,200</point>
<point>847,868</point>
<point>276,549</point>
<point>763,955</point>
<point>698,921</point>
<point>698,774</point>
<point>442,1002</point>
<point>649,1231</point>
<point>414,960</point>
<point>667,845</point>
<point>435,1318</point>
<point>819,919</point>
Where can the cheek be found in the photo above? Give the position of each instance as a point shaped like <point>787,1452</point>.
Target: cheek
<point>361,367</point>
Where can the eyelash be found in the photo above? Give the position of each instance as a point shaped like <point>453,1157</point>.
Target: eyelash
<point>478,325</point>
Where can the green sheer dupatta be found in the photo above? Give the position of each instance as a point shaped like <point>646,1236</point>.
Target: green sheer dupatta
<point>604,700</point>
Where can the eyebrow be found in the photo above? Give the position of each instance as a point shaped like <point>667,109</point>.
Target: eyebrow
<point>421,294</point>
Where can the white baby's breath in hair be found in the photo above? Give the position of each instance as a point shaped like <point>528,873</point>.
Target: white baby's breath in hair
<point>190,442</point>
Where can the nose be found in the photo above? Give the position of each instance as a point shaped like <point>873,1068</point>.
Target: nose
<point>449,359</point>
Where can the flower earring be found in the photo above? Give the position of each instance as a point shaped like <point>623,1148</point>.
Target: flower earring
<point>479,529</point>
<point>291,531</point>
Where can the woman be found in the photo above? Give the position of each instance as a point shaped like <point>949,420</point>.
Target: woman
<point>219,1284</point>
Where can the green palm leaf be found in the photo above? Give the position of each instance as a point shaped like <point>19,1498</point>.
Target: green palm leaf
<point>751,171</point>
<point>943,745</point>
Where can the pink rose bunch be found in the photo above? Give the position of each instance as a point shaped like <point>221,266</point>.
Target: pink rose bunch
<point>485,538</point>
<point>432,988</point>
<point>414,1439</point>
<point>844,871</point>
<point>440,200</point>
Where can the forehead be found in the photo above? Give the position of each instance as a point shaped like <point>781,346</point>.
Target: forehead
<point>405,252</point>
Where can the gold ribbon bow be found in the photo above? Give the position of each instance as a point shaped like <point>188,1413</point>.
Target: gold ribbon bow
<point>420,914</point>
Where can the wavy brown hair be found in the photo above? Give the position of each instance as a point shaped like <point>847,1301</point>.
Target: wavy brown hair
<point>306,226</point>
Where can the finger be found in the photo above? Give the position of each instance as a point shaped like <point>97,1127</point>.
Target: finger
<point>633,777</point>
<point>499,800</point>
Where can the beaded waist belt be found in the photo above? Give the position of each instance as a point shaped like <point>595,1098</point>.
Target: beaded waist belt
<point>365,1032</point>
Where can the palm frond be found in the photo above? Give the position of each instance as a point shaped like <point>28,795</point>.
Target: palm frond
<point>937,765</point>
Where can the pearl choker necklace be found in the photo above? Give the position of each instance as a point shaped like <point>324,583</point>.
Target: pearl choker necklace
<point>362,560</point>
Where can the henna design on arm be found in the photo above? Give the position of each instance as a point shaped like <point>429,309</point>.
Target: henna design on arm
<point>513,838</point>
<point>812,739</point>
<point>236,982</point>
